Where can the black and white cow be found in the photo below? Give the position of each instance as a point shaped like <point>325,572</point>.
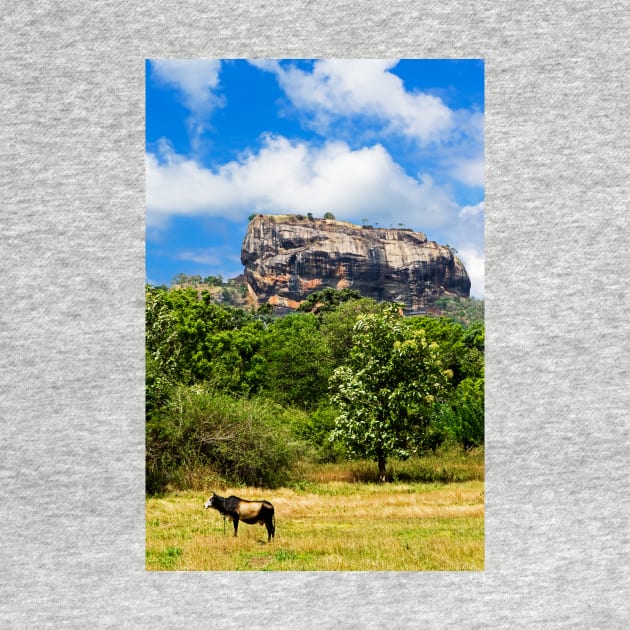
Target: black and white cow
<point>250,512</point>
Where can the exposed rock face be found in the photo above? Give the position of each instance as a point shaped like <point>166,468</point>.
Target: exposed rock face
<point>287,257</point>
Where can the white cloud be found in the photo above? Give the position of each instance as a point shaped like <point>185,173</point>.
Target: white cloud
<point>469,172</point>
<point>208,256</point>
<point>221,261</point>
<point>472,211</point>
<point>347,87</point>
<point>296,177</point>
<point>196,79</point>
<point>474,261</point>
<point>467,234</point>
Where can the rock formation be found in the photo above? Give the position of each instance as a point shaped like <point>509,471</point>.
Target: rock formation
<point>287,257</point>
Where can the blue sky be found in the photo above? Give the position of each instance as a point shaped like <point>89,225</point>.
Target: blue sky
<point>391,141</point>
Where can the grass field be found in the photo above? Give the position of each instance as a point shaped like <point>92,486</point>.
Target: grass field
<point>325,525</point>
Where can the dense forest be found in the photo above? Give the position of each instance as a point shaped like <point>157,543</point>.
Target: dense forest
<point>243,396</point>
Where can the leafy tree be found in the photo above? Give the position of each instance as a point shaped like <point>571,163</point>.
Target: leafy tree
<point>191,339</point>
<point>472,353</point>
<point>316,427</point>
<point>461,418</point>
<point>469,408</point>
<point>329,215</point>
<point>214,281</point>
<point>185,280</point>
<point>338,324</point>
<point>228,359</point>
<point>463,310</point>
<point>164,347</point>
<point>388,388</point>
<point>294,361</point>
<point>461,349</point>
<point>264,309</point>
<point>180,278</point>
<point>327,300</point>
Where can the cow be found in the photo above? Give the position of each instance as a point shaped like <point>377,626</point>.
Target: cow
<point>250,512</point>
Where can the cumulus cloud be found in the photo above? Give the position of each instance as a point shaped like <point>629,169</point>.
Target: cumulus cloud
<point>467,233</point>
<point>196,80</point>
<point>285,176</point>
<point>472,211</point>
<point>473,260</point>
<point>348,87</point>
<point>469,172</point>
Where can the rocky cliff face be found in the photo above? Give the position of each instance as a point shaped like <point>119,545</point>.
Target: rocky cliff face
<point>288,257</point>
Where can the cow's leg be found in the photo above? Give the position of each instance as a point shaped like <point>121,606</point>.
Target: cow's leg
<point>235,526</point>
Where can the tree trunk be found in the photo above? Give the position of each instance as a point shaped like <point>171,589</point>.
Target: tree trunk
<point>382,462</point>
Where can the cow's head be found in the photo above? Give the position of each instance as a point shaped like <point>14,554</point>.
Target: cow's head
<point>210,502</point>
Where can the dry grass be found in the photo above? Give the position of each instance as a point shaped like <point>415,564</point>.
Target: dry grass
<point>446,466</point>
<point>331,526</point>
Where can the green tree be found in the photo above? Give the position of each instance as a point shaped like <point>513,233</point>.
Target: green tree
<point>227,359</point>
<point>294,361</point>
<point>190,339</point>
<point>468,405</point>
<point>338,325</point>
<point>463,310</point>
<point>461,349</point>
<point>387,391</point>
<point>214,281</point>
<point>461,418</point>
<point>164,347</point>
<point>327,300</point>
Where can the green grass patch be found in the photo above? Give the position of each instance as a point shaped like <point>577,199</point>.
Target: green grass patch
<point>165,559</point>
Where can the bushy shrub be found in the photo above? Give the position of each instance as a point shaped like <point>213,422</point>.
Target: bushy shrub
<point>242,441</point>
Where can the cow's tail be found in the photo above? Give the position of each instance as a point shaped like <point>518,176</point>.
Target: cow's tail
<point>273,522</point>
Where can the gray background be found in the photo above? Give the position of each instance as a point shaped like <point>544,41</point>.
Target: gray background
<point>72,186</point>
